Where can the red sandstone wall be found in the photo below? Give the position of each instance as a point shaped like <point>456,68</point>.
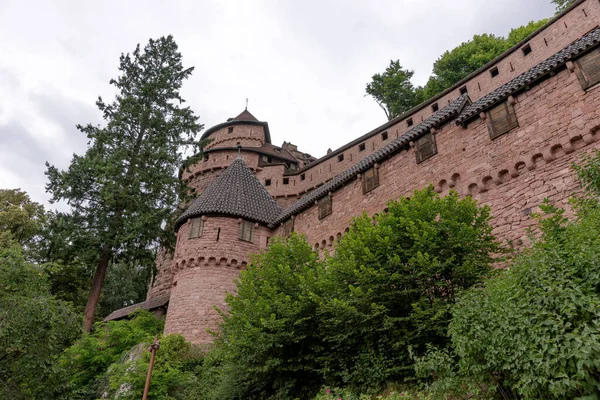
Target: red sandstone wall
<point>512,173</point>
<point>246,135</point>
<point>204,269</point>
<point>162,281</point>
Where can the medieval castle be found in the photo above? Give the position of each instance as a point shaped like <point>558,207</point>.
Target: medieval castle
<point>506,135</point>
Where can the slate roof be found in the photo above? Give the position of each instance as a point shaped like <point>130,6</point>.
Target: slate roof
<point>151,304</point>
<point>435,120</point>
<point>552,63</point>
<point>236,192</point>
<point>245,116</point>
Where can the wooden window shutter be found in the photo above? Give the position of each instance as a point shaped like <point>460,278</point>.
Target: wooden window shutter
<point>501,119</point>
<point>370,179</point>
<point>195,228</point>
<point>325,208</point>
<point>588,69</point>
<point>426,147</point>
<point>245,232</point>
<point>287,228</point>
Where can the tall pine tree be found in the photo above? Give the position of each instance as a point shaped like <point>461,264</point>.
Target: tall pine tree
<point>123,190</point>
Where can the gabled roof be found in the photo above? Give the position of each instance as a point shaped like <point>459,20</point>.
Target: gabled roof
<point>151,304</point>
<point>245,116</point>
<point>435,120</point>
<point>520,82</point>
<point>236,192</point>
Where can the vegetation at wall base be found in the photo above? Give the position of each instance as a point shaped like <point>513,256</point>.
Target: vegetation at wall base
<point>299,322</point>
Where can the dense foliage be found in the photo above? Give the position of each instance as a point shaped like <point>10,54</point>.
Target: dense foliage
<point>534,331</point>
<point>34,329</point>
<point>298,322</point>
<point>90,357</point>
<point>21,219</point>
<point>393,90</point>
<point>123,190</point>
<point>395,94</point>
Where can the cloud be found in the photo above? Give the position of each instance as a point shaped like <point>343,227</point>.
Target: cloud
<point>302,64</point>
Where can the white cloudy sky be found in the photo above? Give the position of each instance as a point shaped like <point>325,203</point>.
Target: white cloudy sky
<point>303,64</point>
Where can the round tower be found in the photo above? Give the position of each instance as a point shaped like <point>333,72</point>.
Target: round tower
<point>226,223</point>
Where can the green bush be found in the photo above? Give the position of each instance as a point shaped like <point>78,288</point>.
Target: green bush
<point>173,375</point>
<point>298,322</point>
<point>534,331</point>
<point>87,361</point>
<point>34,329</point>
<point>391,284</point>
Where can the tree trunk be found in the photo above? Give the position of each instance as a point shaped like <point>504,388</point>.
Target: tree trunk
<point>92,302</point>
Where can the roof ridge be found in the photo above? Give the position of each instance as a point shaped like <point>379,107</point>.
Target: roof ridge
<point>439,117</point>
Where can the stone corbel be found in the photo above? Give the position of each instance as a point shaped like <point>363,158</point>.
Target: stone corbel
<point>483,116</point>
<point>511,100</point>
<point>570,66</point>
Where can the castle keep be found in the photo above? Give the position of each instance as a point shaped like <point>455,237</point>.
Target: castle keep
<point>506,135</point>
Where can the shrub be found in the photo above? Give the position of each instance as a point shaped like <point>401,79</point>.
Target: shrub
<point>34,328</point>
<point>391,284</point>
<point>88,360</point>
<point>173,375</point>
<point>298,323</point>
<point>534,331</point>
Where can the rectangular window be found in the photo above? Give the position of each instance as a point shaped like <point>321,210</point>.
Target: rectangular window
<point>370,180</point>
<point>340,158</point>
<point>325,208</point>
<point>435,107</point>
<point>230,129</point>
<point>526,49</point>
<point>362,147</point>
<point>409,122</point>
<point>195,228</point>
<point>267,182</point>
<point>501,119</point>
<point>245,233</point>
<point>494,72</point>
<point>286,181</point>
<point>384,135</point>
<point>302,177</point>
<point>426,147</point>
<point>287,228</point>
<point>463,90</point>
<point>588,69</point>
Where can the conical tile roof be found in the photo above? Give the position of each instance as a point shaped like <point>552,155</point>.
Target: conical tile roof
<point>245,116</point>
<point>235,192</point>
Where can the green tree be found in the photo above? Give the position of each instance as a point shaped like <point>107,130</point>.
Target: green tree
<point>393,90</point>
<point>459,62</point>
<point>562,5</point>
<point>267,346</point>
<point>518,34</point>
<point>392,282</point>
<point>21,219</point>
<point>124,188</point>
<point>298,322</point>
<point>34,329</point>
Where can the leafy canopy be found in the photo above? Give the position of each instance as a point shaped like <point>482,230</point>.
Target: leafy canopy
<point>298,322</point>
<point>34,328</point>
<point>21,219</point>
<point>393,90</point>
